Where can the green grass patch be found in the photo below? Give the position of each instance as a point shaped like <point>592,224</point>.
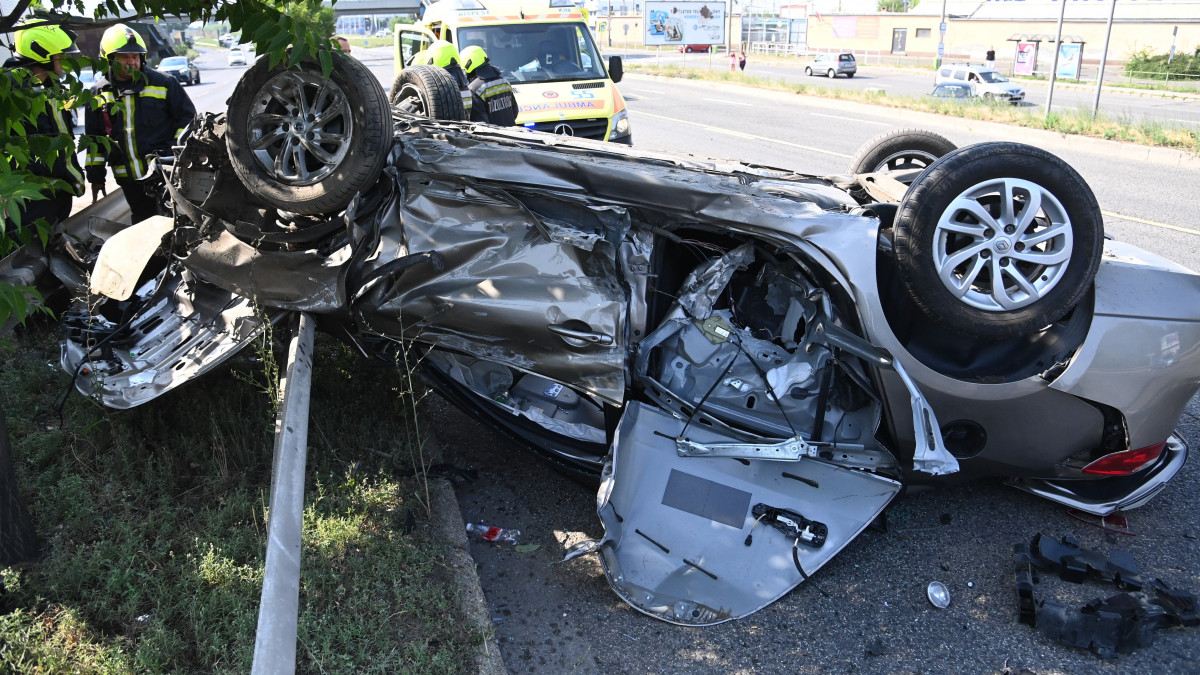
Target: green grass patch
<point>1076,122</point>
<point>152,526</point>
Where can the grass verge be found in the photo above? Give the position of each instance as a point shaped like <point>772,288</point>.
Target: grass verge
<point>152,521</point>
<point>1075,122</point>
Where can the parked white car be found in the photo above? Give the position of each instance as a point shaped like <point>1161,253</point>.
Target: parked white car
<point>989,84</point>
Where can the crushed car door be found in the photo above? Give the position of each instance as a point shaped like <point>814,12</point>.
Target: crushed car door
<point>701,540</point>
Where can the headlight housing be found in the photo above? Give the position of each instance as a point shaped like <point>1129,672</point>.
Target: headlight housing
<point>621,129</point>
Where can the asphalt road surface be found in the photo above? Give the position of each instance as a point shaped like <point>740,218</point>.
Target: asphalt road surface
<point>866,611</point>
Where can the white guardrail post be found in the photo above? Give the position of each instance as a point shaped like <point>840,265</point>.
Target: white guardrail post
<point>275,642</point>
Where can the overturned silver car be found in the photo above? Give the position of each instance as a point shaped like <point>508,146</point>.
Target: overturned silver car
<point>753,362</point>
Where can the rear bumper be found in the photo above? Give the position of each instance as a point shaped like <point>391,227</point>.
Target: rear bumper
<point>1105,495</point>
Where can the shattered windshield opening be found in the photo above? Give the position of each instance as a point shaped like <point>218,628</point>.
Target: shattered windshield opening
<point>538,52</point>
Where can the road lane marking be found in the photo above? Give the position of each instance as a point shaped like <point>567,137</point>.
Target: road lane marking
<point>728,102</point>
<point>1143,221</point>
<point>739,134</point>
<point>852,119</point>
<point>652,91</point>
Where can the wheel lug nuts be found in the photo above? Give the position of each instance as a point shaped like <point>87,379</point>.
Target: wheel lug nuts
<point>1009,229</point>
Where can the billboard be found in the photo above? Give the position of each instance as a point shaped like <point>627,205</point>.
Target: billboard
<point>684,23</point>
<point>1068,60</point>
<point>1026,57</point>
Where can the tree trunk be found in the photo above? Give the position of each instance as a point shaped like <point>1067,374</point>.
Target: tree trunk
<point>18,542</point>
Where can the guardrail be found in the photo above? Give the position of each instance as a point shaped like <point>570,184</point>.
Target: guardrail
<point>1157,76</point>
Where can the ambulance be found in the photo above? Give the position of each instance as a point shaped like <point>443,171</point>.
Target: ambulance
<point>545,50</point>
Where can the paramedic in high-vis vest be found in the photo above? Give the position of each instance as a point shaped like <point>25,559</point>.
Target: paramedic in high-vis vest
<point>142,111</point>
<point>494,102</point>
<point>37,51</point>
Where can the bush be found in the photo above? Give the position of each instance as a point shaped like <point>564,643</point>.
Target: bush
<point>1145,64</point>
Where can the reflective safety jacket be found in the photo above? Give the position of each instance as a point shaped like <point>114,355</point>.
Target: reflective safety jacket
<point>460,78</point>
<point>494,100</point>
<point>143,116</point>
<point>54,120</point>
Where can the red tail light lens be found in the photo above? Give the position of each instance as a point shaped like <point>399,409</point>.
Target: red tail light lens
<point>1127,462</point>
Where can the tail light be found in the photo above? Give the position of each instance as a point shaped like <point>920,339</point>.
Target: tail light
<point>1127,462</point>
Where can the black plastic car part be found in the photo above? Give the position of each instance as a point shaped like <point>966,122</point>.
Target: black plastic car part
<point>1107,626</point>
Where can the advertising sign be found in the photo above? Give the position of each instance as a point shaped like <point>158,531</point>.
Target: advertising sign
<point>1026,55</point>
<point>1068,60</point>
<point>685,23</point>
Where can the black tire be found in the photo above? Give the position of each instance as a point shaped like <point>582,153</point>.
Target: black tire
<point>900,150</point>
<point>276,154</point>
<point>808,71</point>
<point>937,238</point>
<point>849,74</point>
<point>429,91</point>
<point>687,50</point>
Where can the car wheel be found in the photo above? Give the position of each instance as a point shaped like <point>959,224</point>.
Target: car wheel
<point>849,74</point>
<point>197,78</point>
<point>808,71</point>
<point>998,240</point>
<point>900,150</point>
<point>990,98</point>
<point>428,91</point>
<point>831,74</point>
<point>306,143</point>
<point>687,50</point>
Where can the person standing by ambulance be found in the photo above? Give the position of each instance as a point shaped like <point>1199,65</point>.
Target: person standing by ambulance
<point>494,102</point>
<point>141,110</point>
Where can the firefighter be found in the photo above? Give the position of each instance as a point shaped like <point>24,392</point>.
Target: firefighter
<point>38,51</point>
<point>494,102</point>
<point>443,55</point>
<point>141,110</point>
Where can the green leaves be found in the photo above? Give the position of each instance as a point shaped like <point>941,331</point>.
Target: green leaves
<point>273,25</point>
<point>18,300</point>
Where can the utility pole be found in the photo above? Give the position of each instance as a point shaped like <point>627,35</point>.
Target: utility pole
<point>942,40</point>
<point>610,23</point>
<point>1103,58</point>
<point>1057,50</point>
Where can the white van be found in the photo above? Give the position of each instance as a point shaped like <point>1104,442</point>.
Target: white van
<point>989,84</point>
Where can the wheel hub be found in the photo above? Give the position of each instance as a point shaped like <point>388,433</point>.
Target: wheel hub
<point>1003,244</point>
<point>300,128</point>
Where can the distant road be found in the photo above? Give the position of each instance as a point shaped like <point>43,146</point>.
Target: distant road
<point>913,82</point>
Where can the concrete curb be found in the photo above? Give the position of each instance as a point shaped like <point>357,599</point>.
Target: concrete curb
<point>472,604</point>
